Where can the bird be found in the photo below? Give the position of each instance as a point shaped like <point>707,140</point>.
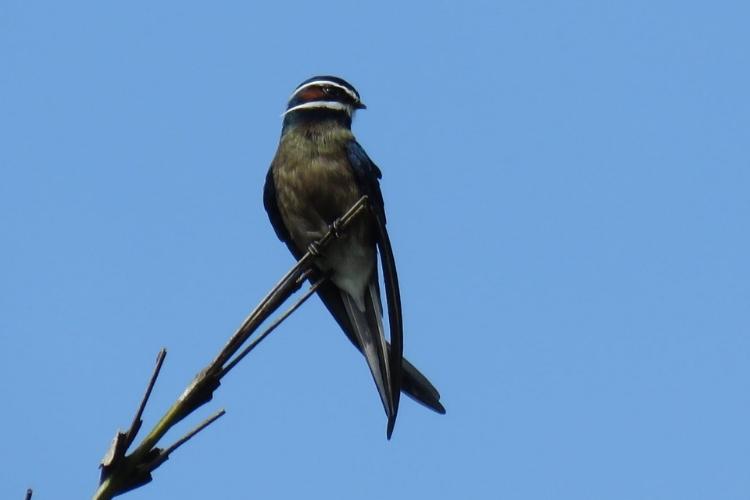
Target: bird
<point>318,172</point>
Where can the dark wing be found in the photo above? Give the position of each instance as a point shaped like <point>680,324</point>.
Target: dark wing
<point>367,175</point>
<point>274,215</point>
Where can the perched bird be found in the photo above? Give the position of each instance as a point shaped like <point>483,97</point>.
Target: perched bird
<point>318,173</point>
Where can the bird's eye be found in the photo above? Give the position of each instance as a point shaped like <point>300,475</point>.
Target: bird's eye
<point>327,90</point>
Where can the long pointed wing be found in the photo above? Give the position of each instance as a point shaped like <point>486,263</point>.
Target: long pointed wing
<point>367,175</point>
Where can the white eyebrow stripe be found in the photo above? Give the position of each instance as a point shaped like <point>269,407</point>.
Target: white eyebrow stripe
<point>338,106</point>
<point>354,96</point>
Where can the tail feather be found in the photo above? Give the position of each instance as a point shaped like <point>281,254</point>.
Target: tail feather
<point>414,384</point>
<point>368,329</point>
<point>376,321</point>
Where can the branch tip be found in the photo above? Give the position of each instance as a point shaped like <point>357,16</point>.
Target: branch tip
<point>122,472</point>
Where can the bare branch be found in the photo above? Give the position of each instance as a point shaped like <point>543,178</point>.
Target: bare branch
<point>137,422</point>
<point>253,343</point>
<point>164,455</point>
<point>121,472</point>
<point>122,441</point>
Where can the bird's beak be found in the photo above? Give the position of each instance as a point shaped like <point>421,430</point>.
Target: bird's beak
<point>360,105</point>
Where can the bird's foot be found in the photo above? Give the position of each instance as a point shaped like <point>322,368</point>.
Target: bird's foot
<point>314,249</point>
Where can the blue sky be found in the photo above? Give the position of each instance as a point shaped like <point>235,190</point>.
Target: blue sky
<point>567,189</point>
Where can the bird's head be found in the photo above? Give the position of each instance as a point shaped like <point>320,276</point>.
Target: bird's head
<point>323,97</point>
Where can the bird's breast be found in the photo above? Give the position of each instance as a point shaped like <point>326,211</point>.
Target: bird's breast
<point>314,186</point>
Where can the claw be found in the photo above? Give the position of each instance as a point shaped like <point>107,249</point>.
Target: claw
<point>314,249</point>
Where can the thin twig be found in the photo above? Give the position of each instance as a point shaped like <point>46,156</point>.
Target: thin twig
<point>137,422</point>
<point>257,340</point>
<point>164,455</point>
